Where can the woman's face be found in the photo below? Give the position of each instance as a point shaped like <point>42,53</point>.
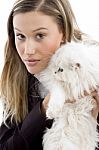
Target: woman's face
<point>37,37</point>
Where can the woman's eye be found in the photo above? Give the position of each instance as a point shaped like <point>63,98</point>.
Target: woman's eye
<point>20,36</point>
<point>40,36</point>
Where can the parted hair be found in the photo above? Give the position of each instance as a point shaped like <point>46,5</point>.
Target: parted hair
<point>14,77</point>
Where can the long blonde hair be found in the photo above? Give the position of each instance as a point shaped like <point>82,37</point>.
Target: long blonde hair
<point>14,78</point>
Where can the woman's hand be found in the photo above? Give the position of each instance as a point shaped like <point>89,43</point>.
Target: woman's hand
<point>94,94</point>
<point>95,110</point>
<point>45,103</point>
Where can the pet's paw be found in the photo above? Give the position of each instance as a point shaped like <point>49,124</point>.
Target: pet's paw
<point>53,113</point>
<point>86,104</point>
<point>49,115</point>
<point>54,108</point>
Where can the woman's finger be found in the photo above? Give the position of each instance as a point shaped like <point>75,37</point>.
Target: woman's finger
<point>95,95</point>
<point>95,109</point>
<point>45,103</point>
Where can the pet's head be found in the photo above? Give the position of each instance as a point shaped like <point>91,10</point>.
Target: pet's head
<point>65,71</point>
<point>65,63</point>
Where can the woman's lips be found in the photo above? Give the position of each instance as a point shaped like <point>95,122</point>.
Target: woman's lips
<point>31,62</point>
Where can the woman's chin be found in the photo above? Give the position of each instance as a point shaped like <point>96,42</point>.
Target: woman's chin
<point>33,71</point>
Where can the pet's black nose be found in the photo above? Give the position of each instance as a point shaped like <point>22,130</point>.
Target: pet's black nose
<point>60,70</point>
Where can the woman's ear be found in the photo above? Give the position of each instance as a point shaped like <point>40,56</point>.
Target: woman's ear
<point>62,42</point>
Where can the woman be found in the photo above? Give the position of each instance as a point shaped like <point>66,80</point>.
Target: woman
<point>36,29</point>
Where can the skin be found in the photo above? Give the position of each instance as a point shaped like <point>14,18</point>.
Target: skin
<point>37,37</point>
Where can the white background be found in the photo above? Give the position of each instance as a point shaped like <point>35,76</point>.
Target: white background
<point>86,12</point>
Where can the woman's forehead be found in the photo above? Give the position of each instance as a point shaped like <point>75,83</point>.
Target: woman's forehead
<point>33,20</point>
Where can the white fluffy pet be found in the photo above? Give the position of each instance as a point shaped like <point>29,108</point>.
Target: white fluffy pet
<point>73,69</point>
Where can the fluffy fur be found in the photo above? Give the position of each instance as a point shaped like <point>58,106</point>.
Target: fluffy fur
<point>73,69</point>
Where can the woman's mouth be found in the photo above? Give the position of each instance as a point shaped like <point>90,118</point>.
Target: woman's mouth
<point>31,62</point>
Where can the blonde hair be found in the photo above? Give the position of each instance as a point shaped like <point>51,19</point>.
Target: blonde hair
<point>14,78</point>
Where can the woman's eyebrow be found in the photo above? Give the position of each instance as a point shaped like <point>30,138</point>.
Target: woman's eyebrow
<point>17,29</point>
<point>41,28</point>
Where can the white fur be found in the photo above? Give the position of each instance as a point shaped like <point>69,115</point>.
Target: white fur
<point>74,127</point>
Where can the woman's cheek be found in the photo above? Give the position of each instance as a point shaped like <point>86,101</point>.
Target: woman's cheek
<point>20,49</point>
<point>50,48</point>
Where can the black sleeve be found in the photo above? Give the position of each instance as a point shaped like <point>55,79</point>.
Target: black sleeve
<point>16,139</point>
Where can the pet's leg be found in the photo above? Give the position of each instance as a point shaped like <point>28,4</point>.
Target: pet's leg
<point>56,139</point>
<point>56,102</point>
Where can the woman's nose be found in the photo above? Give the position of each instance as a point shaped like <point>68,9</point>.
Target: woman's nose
<point>30,46</point>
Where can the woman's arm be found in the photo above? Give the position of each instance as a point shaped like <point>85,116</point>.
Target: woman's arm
<point>17,138</point>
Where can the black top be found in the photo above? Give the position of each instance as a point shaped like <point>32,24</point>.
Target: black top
<point>28,134</point>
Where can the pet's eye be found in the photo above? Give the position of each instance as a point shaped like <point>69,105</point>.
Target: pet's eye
<point>78,65</point>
